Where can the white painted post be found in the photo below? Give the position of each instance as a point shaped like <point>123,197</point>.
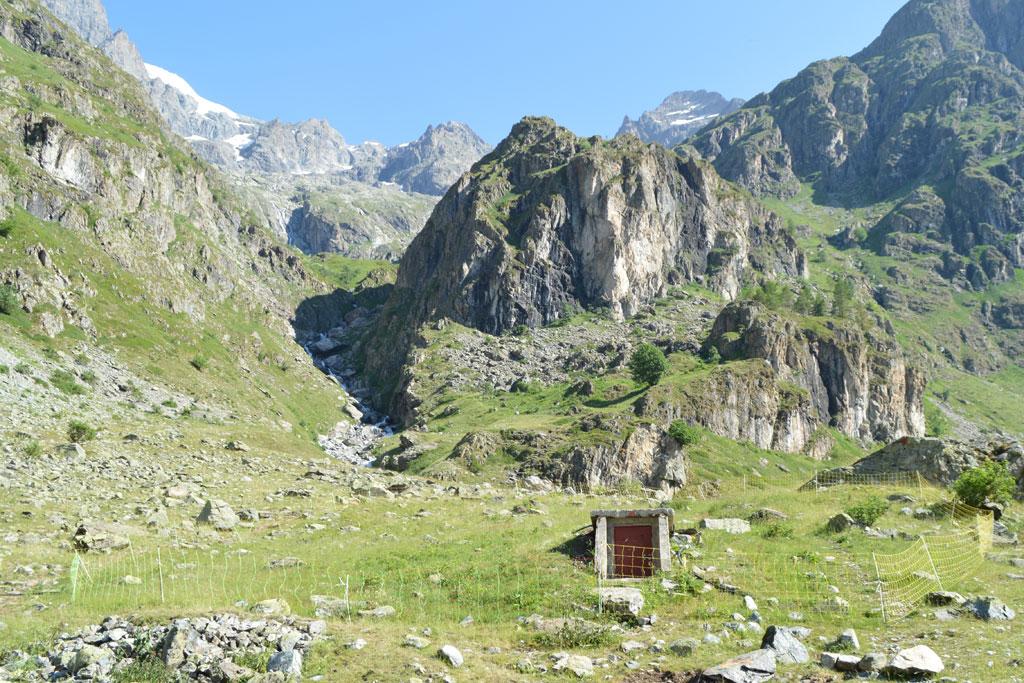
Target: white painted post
<point>935,572</point>
<point>160,569</point>
<point>881,593</point>
<point>601,547</point>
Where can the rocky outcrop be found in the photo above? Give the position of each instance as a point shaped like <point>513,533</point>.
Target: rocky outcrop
<point>679,116</point>
<point>648,456</point>
<point>432,163</point>
<point>807,375</point>
<point>312,146</point>
<point>744,402</point>
<point>89,19</point>
<point>358,220</point>
<point>937,461</point>
<point>550,223</point>
<point>904,114</point>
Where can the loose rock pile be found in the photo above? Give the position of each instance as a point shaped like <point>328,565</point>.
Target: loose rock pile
<point>200,649</point>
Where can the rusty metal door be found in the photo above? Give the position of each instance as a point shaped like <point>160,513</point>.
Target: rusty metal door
<point>634,550</point>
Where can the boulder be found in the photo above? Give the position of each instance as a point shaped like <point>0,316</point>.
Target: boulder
<point>288,662</point>
<point>847,640</point>
<point>788,649</point>
<point>93,536</point>
<point>273,607</point>
<point>621,600</point>
<point>767,515</point>
<point>92,656</point>
<point>728,525</point>
<point>451,654</point>
<point>684,647</point>
<point>991,609</point>
<point>872,661</point>
<point>840,662</point>
<point>219,515</point>
<point>945,599</point>
<point>919,660</point>
<point>841,522</point>
<point>579,665</point>
<point>330,607</point>
<point>753,667</point>
<point>72,450</point>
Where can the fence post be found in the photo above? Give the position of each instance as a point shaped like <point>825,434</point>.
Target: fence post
<point>600,595</point>
<point>881,593</point>
<point>160,571</point>
<point>74,577</point>
<point>935,572</point>
<point>348,604</point>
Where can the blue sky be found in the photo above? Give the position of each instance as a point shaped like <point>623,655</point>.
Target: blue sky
<point>383,70</point>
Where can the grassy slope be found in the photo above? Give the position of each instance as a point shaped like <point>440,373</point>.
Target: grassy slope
<point>253,372</point>
<point>441,559</point>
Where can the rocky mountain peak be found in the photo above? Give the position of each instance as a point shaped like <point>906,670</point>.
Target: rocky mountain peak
<point>994,25</point>
<point>550,223</point>
<point>934,102</point>
<point>679,116</point>
<point>311,146</point>
<point>435,160</point>
<point>88,18</point>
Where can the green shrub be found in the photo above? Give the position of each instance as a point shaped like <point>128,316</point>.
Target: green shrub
<point>7,227</point>
<point>990,481</point>
<point>22,368</point>
<point>80,432</point>
<point>683,433</point>
<point>577,633</point>
<point>647,364</point>
<point>170,403</point>
<point>32,449</point>
<point>869,511</point>
<point>89,376</point>
<point>9,301</point>
<point>774,295</point>
<point>4,370</point>
<point>520,330</point>
<point>712,355</point>
<point>200,362</point>
<point>775,530</point>
<point>66,382</point>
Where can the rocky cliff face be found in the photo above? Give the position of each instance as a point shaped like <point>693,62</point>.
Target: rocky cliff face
<point>679,116</point>
<point>115,235</point>
<point>934,102</point>
<point>550,223</point>
<point>357,220</point>
<point>938,462</point>
<point>89,19</point>
<point>813,375</point>
<point>432,163</point>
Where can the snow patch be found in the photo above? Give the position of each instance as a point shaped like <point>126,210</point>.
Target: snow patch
<point>203,105</point>
<point>239,141</point>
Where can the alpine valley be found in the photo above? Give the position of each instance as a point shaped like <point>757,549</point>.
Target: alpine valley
<point>275,406</point>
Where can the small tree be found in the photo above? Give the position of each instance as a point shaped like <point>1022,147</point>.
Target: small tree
<point>647,364</point>
<point>683,433</point>
<point>805,300</point>
<point>80,432</point>
<point>868,511</point>
<point>842,297</point>
<point>990,481</point>
<point>8,300</point>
